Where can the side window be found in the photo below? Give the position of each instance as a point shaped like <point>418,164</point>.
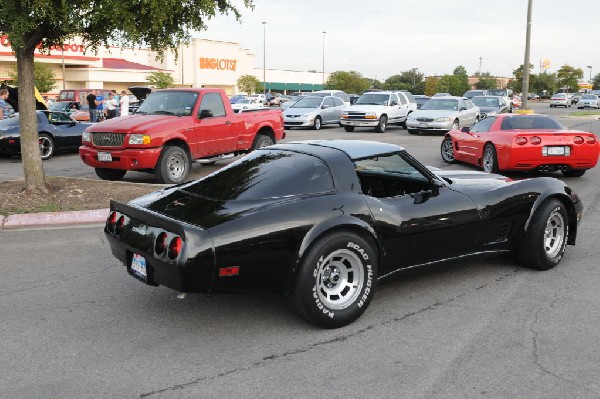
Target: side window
<point>483,125</point>
<point>212,102</point>
<point>345,98</point>
<point>461,104</point>
<point>402,99</point>
<point>329,101</point>
<point>410,97</point>
<point>338,102</point>
<point>469,104</point>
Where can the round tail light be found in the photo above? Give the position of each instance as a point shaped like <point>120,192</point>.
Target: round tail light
<point>174,248</point>
<point>521,140</point>
<point>112,219</point>
<point>578,140</point>
<point>120,225</point>
<point>535,140</point>
<point>161,243</point>
<point>591,140</point>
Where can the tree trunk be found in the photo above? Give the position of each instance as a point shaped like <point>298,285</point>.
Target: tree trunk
<point>30,149</point>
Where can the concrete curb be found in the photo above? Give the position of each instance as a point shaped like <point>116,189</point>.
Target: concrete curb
<point>53,219</point>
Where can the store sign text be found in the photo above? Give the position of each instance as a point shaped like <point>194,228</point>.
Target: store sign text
<point>73,47</point>
<point>218,63</point>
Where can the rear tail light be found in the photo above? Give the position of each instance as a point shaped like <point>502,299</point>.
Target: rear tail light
<point>161,243</point>
<point>112,219</point>
<point>591,140</point>
<point>120,225</point>
<point>521,140</point>
<point>578,140</point>
<point>174,248</point>
<point>535,140</point>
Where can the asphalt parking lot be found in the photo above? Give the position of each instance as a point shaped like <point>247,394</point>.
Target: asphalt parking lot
<point>75,324</point>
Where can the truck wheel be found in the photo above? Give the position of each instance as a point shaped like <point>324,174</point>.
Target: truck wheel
<point>349,128</point>
<point>110,174</point>
<point>173,165</point>
<point>260,141</point>
<point>317,123</point>
<point>336,280</point>
<point>380,128</point>
<point>46,146</point>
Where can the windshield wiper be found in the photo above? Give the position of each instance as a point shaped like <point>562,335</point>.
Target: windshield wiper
<point>163,112</point>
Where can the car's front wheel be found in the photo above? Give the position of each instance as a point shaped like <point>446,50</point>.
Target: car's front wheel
<point>336,280</point>
<point>317,123</point>
<point>447,150</point>
<point>349,128</point>
<point>546,238</point>
<point>490,159</point>
<point>173,165</point>
<point>413,131</point>
<point>380,128</point>
<point>46,146</point>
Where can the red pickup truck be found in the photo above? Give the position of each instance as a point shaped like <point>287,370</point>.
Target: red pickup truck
<point>172,128</point>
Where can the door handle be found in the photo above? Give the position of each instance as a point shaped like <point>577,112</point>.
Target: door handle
<point>227,122</point>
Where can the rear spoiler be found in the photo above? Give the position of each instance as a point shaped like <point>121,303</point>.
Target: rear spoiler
<point>149,217</point>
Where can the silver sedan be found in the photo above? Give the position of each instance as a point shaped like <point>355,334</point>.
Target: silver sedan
<point>314,112</point>
<point>442,114</point>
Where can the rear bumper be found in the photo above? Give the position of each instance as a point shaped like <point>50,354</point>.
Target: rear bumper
<point>124,159</point>
<point>531,158</point>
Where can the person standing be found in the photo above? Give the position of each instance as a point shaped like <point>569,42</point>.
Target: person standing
<point>4,107</point>
<point>124,102</point>
<point>100,107</point>
<point>111,106</point>
<point>91,99</point>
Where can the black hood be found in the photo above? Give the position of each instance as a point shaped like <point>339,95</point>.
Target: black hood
<point>141,92</point>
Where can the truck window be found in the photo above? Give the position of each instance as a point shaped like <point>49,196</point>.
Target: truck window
<point>214,103</point>
<point>402,99</point>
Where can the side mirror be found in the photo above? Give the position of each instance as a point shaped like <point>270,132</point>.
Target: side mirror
<point>324,106</point>
<point>205,113</point>
<point>463,108</point>
<point>465,129</point>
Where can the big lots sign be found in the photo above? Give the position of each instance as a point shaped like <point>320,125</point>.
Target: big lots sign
<point>69,47</point>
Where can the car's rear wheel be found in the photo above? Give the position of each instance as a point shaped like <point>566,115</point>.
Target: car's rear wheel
<point>546,238</point>
<point>447,150</point>
<point>574,172</point>
<point>46,146</point>
<point>349,128</point>
<point>380,128</point>
<point>262,140</point>
<point>490,159</point>
<point>336,280</point>
<point>110,174</point>
<point>173,165</point>
<point>317,123</point>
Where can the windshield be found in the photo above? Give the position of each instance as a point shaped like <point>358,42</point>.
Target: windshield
<point>589,97</point>
<point>485,101</point>
<point>178,103</point>
<point>60,106</point>
<point>265,174</point>
<point>388,164</point>
<point>498,92</point>
<point>308,102</point>
<point>530,122</point>
<point>245,101</point>
<point>373,99</point>
<point>441,104</point>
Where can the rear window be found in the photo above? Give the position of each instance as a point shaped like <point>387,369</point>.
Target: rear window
<point>530,122</point>
<point>266,174</point>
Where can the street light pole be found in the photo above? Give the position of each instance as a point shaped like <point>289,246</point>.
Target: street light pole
<point>264,57</point>
<point>324,59</point>
<point>526,63</point>
<point>590,68</point>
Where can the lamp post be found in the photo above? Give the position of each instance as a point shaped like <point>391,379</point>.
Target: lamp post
<point>526,63</point>
<point>324,58</point>
<point>264,57</point>
<point>590,68</point>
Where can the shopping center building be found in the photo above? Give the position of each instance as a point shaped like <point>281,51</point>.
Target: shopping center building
<point>200,63</point>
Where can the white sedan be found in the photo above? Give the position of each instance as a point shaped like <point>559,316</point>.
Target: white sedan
<point>247,104</point>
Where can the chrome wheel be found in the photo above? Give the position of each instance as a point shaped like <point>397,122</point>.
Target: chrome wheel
<point>554,234</point>
<point>340,279</point>
<point>455,125</point>
<point>176,166</point>
<point>488,160</point>
<point>46,147</point>
<point>317,124</point>
<point>447,150</point>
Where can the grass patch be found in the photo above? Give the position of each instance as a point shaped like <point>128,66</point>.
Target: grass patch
<point>585,113</point>
<point>40,208</point>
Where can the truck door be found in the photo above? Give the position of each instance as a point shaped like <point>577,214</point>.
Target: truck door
<point>213,131</point>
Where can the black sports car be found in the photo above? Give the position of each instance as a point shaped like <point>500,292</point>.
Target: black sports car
<point>57,132</point>
<point>323,221</point>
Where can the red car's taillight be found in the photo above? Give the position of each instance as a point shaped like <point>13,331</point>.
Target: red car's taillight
<point>578,140</point>
<point>174,248</point>
<point>591,140</point>
<point>520,140</point>
<point>535,140</point>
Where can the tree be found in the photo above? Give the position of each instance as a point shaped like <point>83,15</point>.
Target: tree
<point>461,81</point>
<point>249,84</point>
<point>43,77</point>
<point>517,84</point>
<point>486,81</point>
<point>396,82</point>
<point>567,77</point>
<point>372,83</point>
<point>431,86</point>
<point>596,82</point>
<point>158,24</point>
<point>544,83</point>
<point>160,80</point>
<point>410,80</point>
<point>348,81</point>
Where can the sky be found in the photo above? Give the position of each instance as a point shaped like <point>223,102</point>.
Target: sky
<point>380,38</point>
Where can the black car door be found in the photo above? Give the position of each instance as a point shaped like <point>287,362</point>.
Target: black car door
<point>66,131</point>
<point>418,218</point>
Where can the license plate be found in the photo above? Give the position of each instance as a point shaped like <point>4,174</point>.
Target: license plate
<point>556,150</point>
<point>104,157</point>
<point>138,266</point>
<point>423,125</point>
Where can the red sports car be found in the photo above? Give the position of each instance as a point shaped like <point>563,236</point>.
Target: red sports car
<point>522,142</point>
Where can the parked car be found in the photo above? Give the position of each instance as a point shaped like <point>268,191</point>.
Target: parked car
<point>472,93</point>
<point>522,142</point>
<point>575,97</point>
<point>516,101</point>
<point>140,93</point>
<point>490,105</point>
<point>322,222</point>
<point>247,103</point>
<point>353,98</point>
<point>589,100</point>
<point>314,112</point>
<point>234,99</point>
<point>560,100</point>
<point>443,114</point>
<point>57,132</point>
<point>533,96</point>
<point>442,95</point>
<point>507,94</point>
<point>421,99</point>
<point>293,100</point>
<point>262,98</point>
<point>378,110</point>
<point>79,95</point>
<point>334,93</point>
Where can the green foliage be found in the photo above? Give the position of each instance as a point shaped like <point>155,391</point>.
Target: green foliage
<point>431,86</point>
<point>372,84</point>
<point>410,80</point>
<point>596,82</point>
<point>160,80</point>
<point>249,84</point>
<point>543,82</point>
<point>517,84</point>
<point>486,81</point>
<point>43,77</point>
<point>348,81</point>
<point>460,83</point>
<point>567,78</point>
